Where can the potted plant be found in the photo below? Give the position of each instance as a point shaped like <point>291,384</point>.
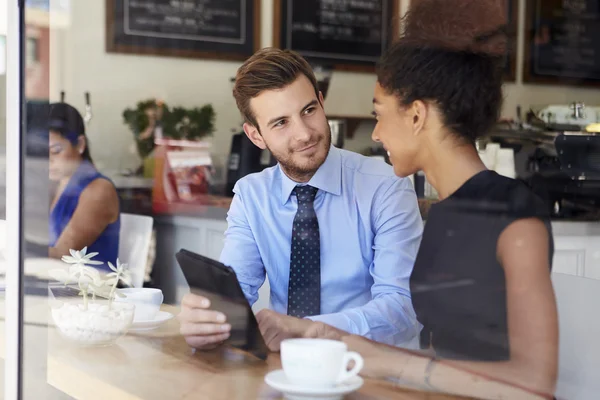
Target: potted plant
<point>152,119</point>
<point>87,312</point>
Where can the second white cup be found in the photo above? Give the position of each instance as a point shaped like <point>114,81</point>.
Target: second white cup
<point>147,302</point>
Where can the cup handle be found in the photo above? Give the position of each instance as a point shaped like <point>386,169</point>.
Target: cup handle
<point>358,364</point>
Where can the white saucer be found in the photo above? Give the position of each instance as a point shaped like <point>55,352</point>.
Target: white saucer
<point>277,380</point>
<point>160,318</point>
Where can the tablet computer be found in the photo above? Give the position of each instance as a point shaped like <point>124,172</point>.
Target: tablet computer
<point>217,282</point>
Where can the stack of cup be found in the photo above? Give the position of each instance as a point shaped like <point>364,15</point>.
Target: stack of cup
<point>491,155</point>
<point>505,163</point>
<point>498,159</point>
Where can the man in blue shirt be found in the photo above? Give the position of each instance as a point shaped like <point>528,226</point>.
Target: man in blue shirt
<point>335,232</point>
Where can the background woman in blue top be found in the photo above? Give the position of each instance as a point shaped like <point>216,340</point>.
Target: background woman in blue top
<point>85,206</point>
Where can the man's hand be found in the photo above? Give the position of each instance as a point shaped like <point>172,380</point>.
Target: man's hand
<point>276,327</point>
<point>202,328</point>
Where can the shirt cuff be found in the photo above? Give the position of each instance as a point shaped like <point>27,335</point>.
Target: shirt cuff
<point>337,320</point>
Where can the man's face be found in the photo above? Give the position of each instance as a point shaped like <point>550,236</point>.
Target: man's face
<point>293,127</point>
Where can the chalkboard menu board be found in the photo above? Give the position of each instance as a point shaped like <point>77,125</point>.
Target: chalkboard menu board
<point>345,34</point>
<point>512,13</point>
<point>563,44</point>
<point>221,29</point>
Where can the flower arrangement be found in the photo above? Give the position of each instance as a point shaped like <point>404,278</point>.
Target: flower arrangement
<point>93,322</point>
<point>88,279</point>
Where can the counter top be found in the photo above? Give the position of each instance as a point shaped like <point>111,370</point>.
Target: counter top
<point>576,228</point>
<point>216,207</point>
<point>206,207</point>
<point>130,182</point>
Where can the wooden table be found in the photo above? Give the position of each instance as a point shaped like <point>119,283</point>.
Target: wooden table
<point>155,364</point>
<point>159,365</point>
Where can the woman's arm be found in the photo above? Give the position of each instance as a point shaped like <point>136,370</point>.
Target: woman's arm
<point>532,327</point>
<point>412,369</point>
<point>98,207</point>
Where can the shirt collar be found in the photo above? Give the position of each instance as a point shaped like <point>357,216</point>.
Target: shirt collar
<point>327,178</point>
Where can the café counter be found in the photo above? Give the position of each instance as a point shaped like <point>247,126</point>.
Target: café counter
<point>199,228</point>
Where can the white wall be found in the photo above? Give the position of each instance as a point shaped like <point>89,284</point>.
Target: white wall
<point>119,81</point>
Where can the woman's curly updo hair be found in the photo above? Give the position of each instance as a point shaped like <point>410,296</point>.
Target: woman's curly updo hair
<point>451,53</point>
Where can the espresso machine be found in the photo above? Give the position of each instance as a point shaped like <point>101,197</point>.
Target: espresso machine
<point>568,178</point>
<point>560,153</point>
<point>244,157</point>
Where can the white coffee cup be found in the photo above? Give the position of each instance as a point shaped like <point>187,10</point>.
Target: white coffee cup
<point>318,362</point>
<point>147,302</point>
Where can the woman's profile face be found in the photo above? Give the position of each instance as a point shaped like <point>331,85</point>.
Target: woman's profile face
<point>64,157</point>
<point>395,130</point>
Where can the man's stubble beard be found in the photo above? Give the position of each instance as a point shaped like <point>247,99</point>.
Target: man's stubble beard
<point>299,173</point>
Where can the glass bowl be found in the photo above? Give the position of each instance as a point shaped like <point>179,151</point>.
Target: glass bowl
<point>99,324</point>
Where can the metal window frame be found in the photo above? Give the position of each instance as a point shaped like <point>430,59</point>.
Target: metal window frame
<point>15,152</point>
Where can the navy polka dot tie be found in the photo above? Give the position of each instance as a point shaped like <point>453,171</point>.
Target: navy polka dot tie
<point>304,291</point>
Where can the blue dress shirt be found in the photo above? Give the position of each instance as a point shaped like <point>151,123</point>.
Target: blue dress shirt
<point>370,229</point>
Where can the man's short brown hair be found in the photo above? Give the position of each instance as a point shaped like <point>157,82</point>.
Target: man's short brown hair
<point>268,69</point>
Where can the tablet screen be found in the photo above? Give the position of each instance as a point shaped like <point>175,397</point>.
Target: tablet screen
<point>218,283</point>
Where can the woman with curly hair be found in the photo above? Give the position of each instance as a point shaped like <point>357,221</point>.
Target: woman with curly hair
<point>481,283</point>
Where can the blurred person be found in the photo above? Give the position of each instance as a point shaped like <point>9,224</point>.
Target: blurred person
<point>85,206</point>
<point>335,232</point>
<point>481,282</point>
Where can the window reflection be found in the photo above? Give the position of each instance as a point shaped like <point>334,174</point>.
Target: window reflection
<point>450,223</point>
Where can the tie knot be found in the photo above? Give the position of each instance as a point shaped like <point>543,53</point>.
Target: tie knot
<point>305,193</point>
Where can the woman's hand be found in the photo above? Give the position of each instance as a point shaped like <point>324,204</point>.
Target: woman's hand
<point>381,361</point>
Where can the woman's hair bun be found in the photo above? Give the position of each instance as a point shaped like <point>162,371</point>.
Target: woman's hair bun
<point>474,26</point>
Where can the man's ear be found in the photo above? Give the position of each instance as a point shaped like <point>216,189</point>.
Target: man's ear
<point>254,136</point>
<point>321,100</point>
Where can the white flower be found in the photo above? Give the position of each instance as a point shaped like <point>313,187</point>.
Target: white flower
<point>120,272</point>
<point>84,274</point>
<point>80,257</point>
<point>89,279</point>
